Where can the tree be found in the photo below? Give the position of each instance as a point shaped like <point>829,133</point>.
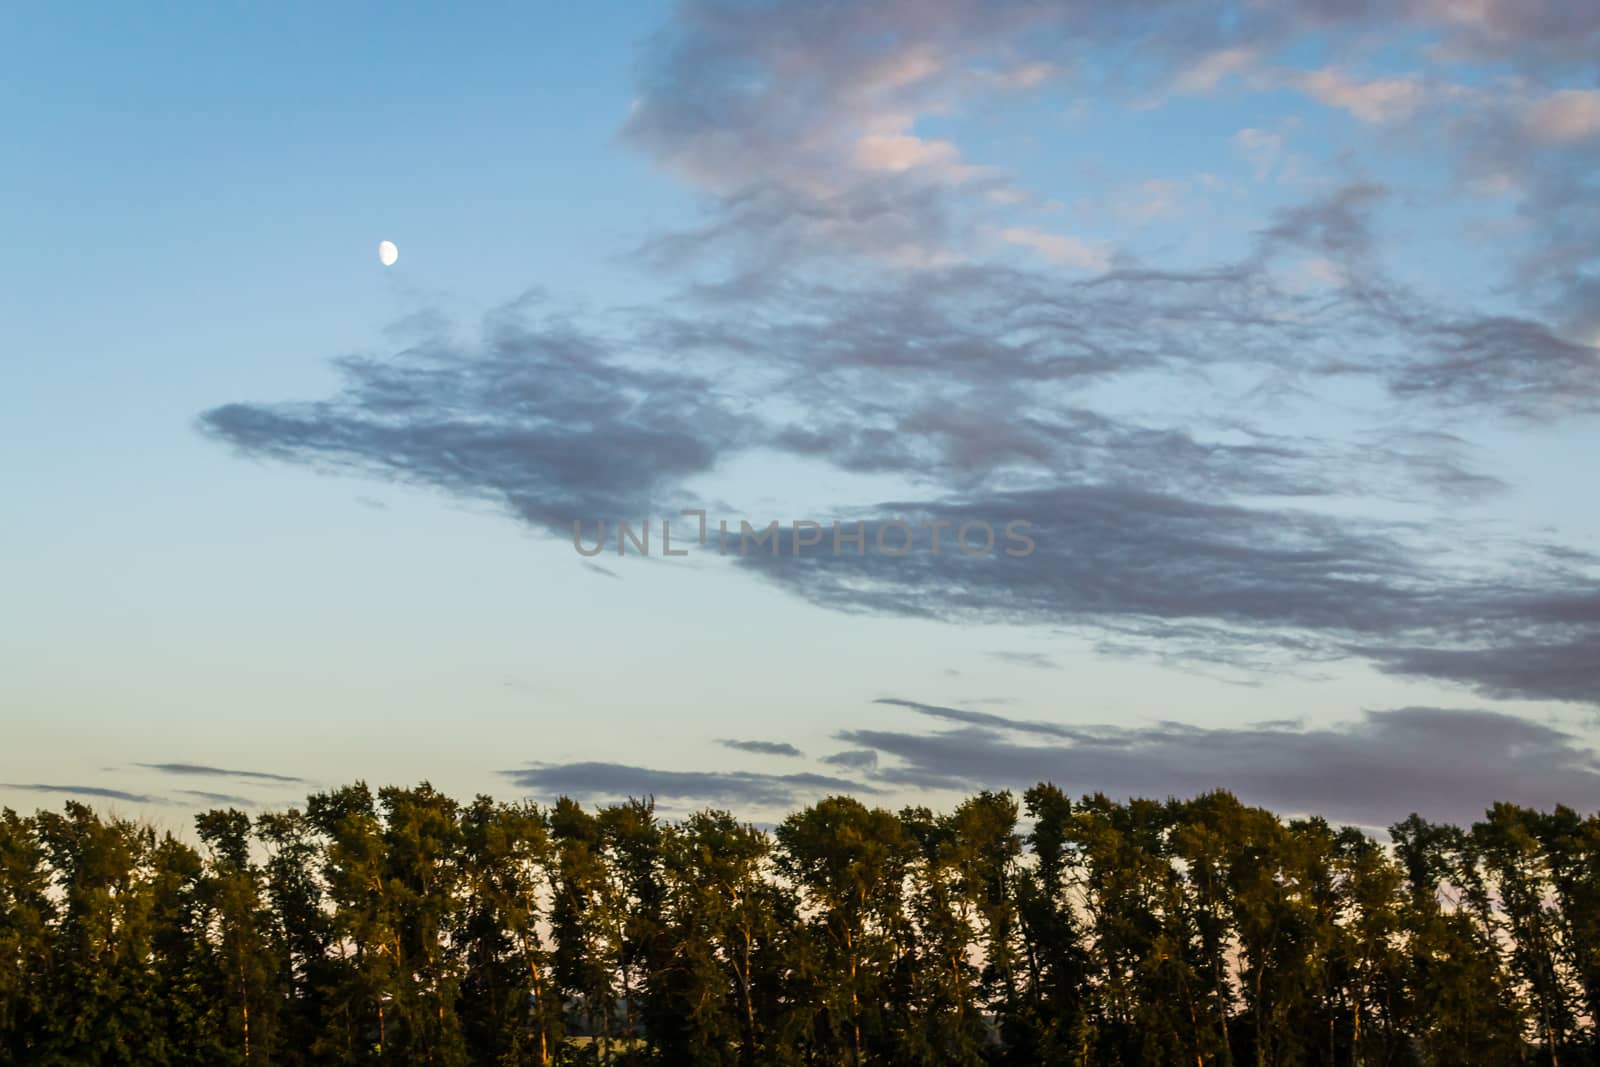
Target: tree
<point>583,917</point>
<point>104,1002</point>
<point>27,923</point>
<point>247,974</point>
<point>849,863</point>
<point>1052,1026</point>
<point>400,927</point>
<point>511,1011</point>
<point>1509,844</point>
<point>1456,1003</point>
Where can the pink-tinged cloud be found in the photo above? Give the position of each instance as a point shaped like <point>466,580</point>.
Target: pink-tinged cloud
<point>902,151</point>
<point>1059,248</point>
<point>1208,71</point>
<point>1568,115</point>
<point>1381,100</point>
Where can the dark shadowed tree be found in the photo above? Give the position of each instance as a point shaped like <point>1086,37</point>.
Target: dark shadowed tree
<point>28,920</point>
<point>510,1010</point>
<point>249,979</point>
<point>849,863</point>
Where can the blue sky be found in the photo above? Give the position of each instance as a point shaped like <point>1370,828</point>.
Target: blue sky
<point>1278,324</point>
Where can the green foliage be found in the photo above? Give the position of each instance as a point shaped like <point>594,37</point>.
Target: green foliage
<point>404,928</point>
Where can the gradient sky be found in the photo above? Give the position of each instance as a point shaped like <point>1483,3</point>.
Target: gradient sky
<point>1279,323</point>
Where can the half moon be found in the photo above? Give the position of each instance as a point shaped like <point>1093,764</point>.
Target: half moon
<point>388,253</point>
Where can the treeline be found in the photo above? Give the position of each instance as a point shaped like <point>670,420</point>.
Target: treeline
<point>406,928</point>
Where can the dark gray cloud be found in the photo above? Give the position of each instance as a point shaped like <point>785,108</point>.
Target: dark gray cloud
<point>1443,763</point>
<point>988,719</point>
<point>844,320</point>
<point>961,369</point>
<point>218,798</point>
<point>1336,226</point>
<point>615,780</point>
<point>1228,583</point>
<point>202,771</point>
<point>538,417</point>
<point>1544,37</point>
<point>85,791</point>
<point>1136,538</point>
<point>764,748</point>
<point>856,759</point>
<point>1516,366</point>
<point>1556,669</point>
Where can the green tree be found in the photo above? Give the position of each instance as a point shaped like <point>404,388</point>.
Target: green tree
<point>511,1011</point>
<point>300,930</point>
<point>1572,850</point>
<point>849,863</point>
<point>1052,1025</point>
<point>1509,844</point>
<point>27,915</point>
<point>583,917</point>
<point>359,1021</point>
<point>103,995</point>
<point>1457,1004</point>
<point>248,976</point>
<point>420,897</point>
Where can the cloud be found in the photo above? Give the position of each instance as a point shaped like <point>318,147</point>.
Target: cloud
<point>988,719</point>
<point>1059,249</point>
<point>1515,365</point>
<point>1337,224</point>
<point>1228,584</point>
<point>218,798</point>
<point>539,418</point>
<point>836,305</point>
<point>1567,115</point>
<point>1443,763</point>
<point>1207,71</point>
<point>616,780</point>
<point>85,791</point>
<point>200,770</point>
<point>1151,199</point>
<point>1540,35</point>
<point>898,152</point>
<point>765,748</point>
<point>955,382</point>
<point>1379,100</point>
<point>856,759</point>
<point>1027,659</point>
<point>1262,147</point>
<point>1028,75</point>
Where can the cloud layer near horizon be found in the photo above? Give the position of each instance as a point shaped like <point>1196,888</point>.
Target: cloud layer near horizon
<point>1445,763</point>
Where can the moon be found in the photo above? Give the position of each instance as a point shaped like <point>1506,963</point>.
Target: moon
<point>388,253</point>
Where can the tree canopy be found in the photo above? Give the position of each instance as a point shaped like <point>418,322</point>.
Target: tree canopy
<point>403,927</point>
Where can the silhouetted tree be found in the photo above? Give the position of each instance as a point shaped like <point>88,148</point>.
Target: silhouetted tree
<point>400,927</point>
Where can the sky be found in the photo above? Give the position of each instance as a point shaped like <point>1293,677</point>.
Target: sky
<point>1275,328</point>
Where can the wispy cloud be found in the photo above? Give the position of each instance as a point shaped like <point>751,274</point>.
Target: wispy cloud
<point>866,295</point>
<point>856,759</point>
<point>1375,100</point>
<point>763,748</point>
<point>218,798</point>
<point>203,771</point>
<point>1566,115</point>
<point>1444,763</point>
<point>1026,659</point>
<point>85,791</point>
<point>1059,248</point>
<point>600,781</point>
